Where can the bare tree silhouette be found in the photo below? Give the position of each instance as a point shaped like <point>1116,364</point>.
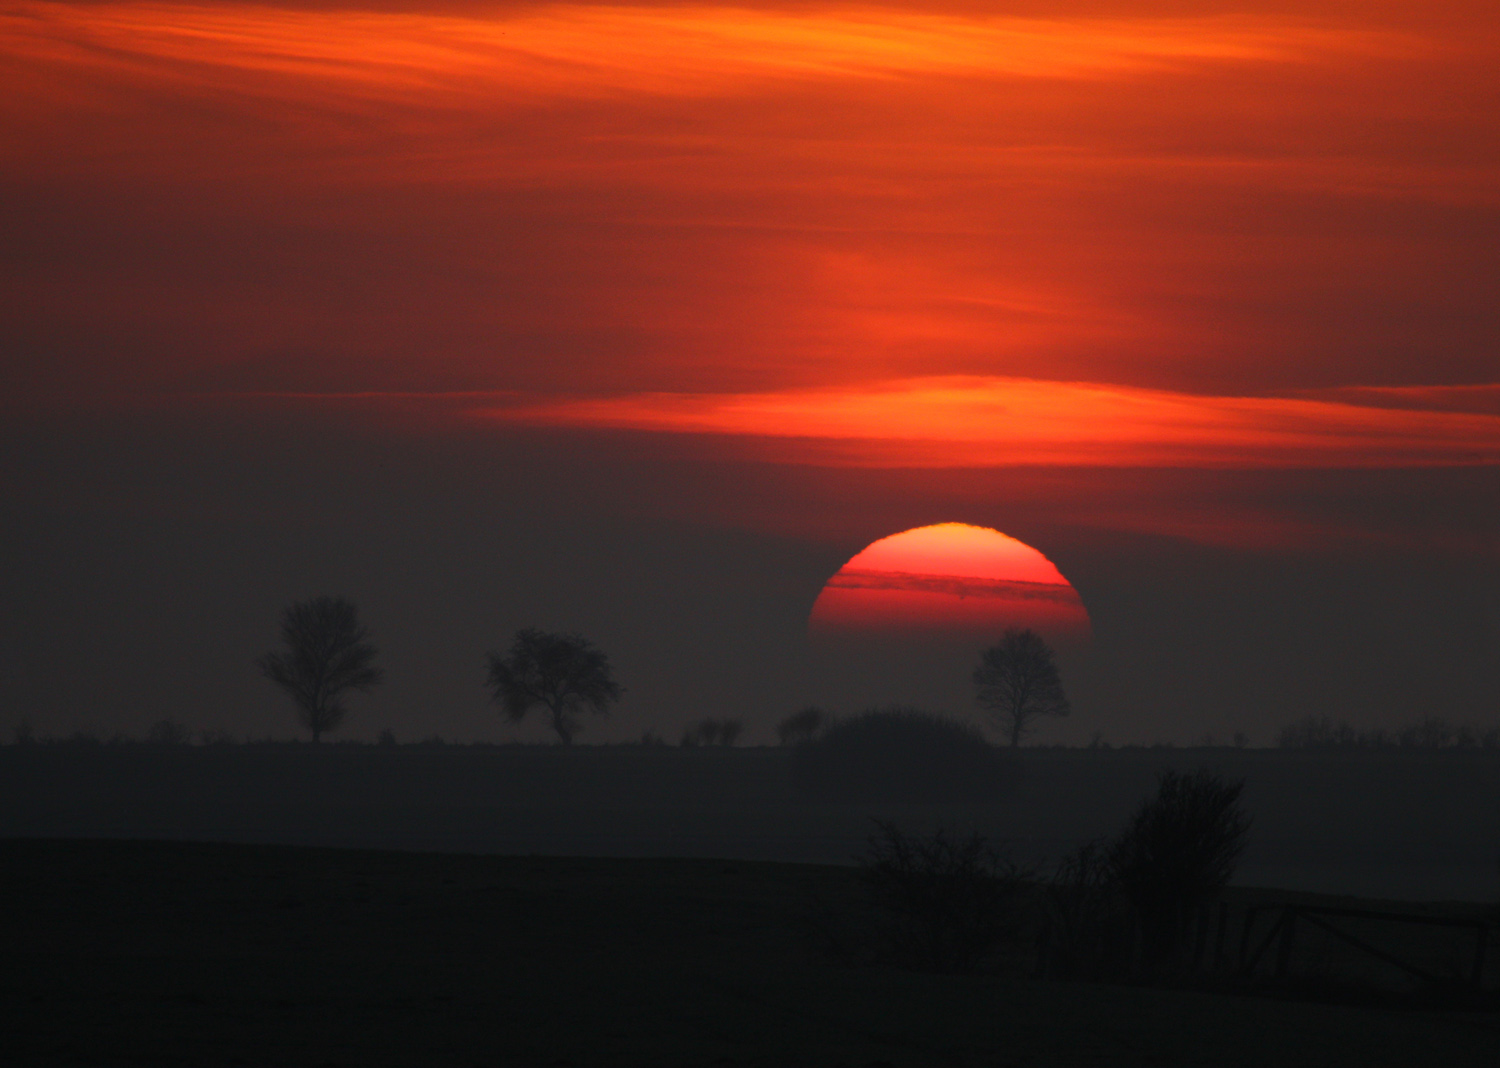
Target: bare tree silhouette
<point>1018,681</point>
<point>327,655</point>
<point>565,673</point>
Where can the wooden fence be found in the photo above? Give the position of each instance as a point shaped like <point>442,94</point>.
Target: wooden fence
<point>1286,918</point>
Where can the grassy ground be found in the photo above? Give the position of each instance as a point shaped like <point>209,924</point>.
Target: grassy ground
<point>159,953</point>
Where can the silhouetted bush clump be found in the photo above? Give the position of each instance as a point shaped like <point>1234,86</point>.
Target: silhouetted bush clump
<point>1088,929</point>
<point>169,732</point>
<point>1175,854</point>
<point>946,903</point>
<point>803,725</point>
<point>902,755</point>
<point>712,732</point>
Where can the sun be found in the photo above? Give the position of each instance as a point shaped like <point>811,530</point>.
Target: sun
<point>949,580</point>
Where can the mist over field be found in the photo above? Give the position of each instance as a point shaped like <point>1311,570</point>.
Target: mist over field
<point>1393,825</point>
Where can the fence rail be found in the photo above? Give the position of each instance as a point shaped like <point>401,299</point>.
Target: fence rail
<point>1283,932</point>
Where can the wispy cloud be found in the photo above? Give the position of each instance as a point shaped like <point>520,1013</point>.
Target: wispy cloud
<point>599,49</point>
<point>971,421</point>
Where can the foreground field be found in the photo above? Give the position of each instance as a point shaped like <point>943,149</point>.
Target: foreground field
<point>1401,825</point>
<point>159,953</point>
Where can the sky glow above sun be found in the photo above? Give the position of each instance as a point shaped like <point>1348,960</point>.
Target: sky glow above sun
<point>1255,235</point>
<point>949,579</point>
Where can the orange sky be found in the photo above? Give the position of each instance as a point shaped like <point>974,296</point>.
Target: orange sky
<point>1114,233</point>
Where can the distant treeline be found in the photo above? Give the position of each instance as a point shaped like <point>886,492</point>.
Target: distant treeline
<point>1309,732</point>
<point>1321,732</point>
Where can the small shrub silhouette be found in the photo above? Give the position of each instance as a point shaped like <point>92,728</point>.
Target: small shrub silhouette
<point>1175,855</point>
<point>1432,732</point>
<point>712,732</point>
<point>947,903</point>
<point>803,725</point>
<point>169,732</point>
<point>903,755</point>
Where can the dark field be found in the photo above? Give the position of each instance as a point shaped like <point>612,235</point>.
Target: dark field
<point>125,953</point>
<point>1401,825</point>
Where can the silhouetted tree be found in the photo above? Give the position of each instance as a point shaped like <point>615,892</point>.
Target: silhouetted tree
<point>1018,681</point>
<point>802,725</point>
<point>730,731</point>
<point>1176,853</point>
<point>565,673</point>
<point>327,655</point>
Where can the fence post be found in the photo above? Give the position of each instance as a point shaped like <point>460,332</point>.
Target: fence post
<point>1288,935</point>
<point>1245,937</point>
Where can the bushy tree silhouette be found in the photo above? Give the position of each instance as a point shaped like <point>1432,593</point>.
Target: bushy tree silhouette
<point>564,673</point>
<point>1017,682</point>
<point>327,655</point>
